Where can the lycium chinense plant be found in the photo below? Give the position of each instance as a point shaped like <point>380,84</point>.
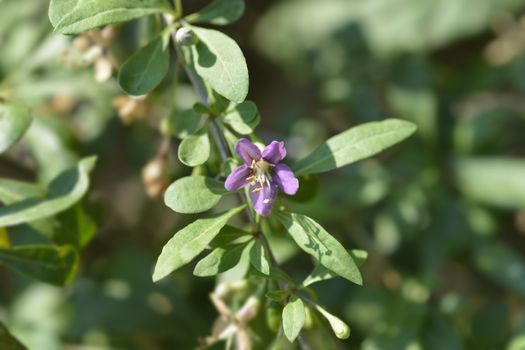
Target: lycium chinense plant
<point>219,143</point>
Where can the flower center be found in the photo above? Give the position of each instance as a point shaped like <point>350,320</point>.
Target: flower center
<point>260,175</point>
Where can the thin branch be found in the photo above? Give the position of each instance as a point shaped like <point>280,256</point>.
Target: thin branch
<point>224,152</point>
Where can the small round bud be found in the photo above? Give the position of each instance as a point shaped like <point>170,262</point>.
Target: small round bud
<point>249,310</point>
<point>81,43</point>
<point>185,36</point>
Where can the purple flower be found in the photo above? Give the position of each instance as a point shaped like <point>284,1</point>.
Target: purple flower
<point>263,173</point>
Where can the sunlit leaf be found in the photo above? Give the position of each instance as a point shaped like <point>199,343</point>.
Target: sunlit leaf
<point>145,69</point>
<point>76,16</point>
<point>219,12</point>
<point>258,258</point>
<point>314,240</point>
<point>221,260</point>
<point>243,118</point>
<point>354,144</point>
<point>293,318</point>
<point>64,191</point>
<point>195,149</point>
<point>56,265</point>
<point>220,62</point>
<point>321,273</point>
<point>190,242</point>
<point>8,341</point>
<point>194,194</point>
<point>15,119</point>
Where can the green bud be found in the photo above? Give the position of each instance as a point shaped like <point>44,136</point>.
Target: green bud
<point>341,329</point>
<point>273,317</point>
<point>185,36</point>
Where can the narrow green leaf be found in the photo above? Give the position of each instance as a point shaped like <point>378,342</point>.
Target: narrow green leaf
<point>354,144</point>
<point>258,258</point>
<point>76,16</point>
<point>195,149</point>
<point>220,62</point>
<point>496,181</point>
<point>228,235</point>
<point>56,265</point>
<point>293,318</point>
<point>64,191</point>
<point>314,240</point>
<point>341,329</point>
<point>220,260</point>
<point>7,341</point>
<point>321,273</point>
<point>145,69</point>
<point>243,118</point>
<point>277,295</point>
<point>190,242</point>
<point>194,194</point>
<point>12,191</point>
<point>15,119</point>
<point>219,12</point>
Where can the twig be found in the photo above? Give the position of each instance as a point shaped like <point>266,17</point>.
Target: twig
<point>225,153</point>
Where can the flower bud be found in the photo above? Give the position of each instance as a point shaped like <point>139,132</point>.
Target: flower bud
<point>249,310</point>
<point>341,329</point>
<point>81,43</point>
<point>154,177</point>
<point>103,69</point>
<point>186,37</point>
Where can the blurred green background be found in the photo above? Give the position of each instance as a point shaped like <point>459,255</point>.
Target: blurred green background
<point>442,214</point>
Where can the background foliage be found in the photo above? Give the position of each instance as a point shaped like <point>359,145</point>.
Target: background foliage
<point>441,215</point>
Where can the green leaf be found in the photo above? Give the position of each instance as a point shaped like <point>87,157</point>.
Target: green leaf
<point>293,318</point>
<point>258,258</point>
<point>64,191</point>
<point>183,123</point>
<point>354,144</point>
<point>145,69</point>
<point>220,260</point>
<point>12,191</point>
<point>219,12</point>
<point>277,295</point>
<point>15,119</point>
<point>74,227</point>
<point>194,194</point>
<point>496,181</point>
<point>190,242</point>
<point>220,62</point>
<point>243,118</point>
<point>56,265</point>
<point>341,329</point>
<point>76,16</point>
<point>501,264</point>
<point>195,149</point>
<point>321,273</point>
<point>314,240</point>
<point>228,235</point>
<point>7,340</point>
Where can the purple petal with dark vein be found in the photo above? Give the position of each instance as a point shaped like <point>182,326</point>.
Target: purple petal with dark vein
<point>247,151</point>
<point>284,177</point>
<point>274,152</point>
<point>237,178</point>
<point>264,199</point>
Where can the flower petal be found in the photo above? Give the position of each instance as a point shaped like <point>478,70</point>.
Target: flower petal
<point>274,152</point>
<point>284,177</point>
<point>264,199</point>
<point>247,151</point>
<point>237,178</point>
